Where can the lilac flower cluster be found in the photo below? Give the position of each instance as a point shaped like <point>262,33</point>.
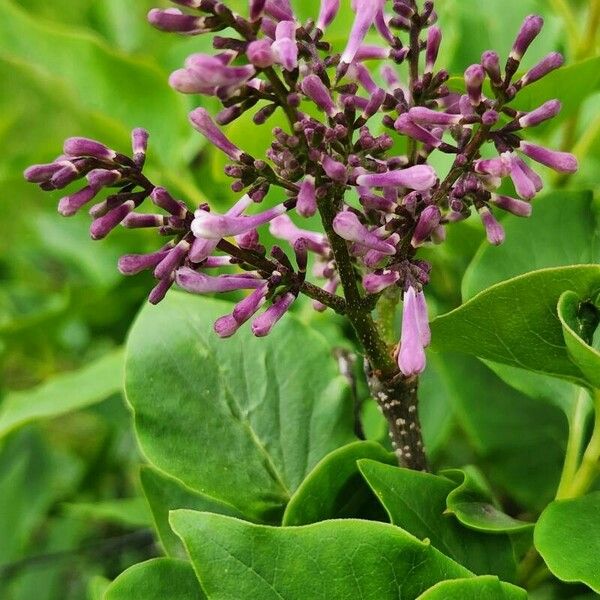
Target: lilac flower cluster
<point>377,206</point>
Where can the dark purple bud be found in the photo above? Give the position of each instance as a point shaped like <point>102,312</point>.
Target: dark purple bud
<point>474,77</point>
<point>102,226</point>
<point>377,282</point>
<point>69,205</point>
<point>531,27</point>
<point>79,146</point>
<point>172,260</point>
<point>563,162</point>
<point>263,324</point>
<point>347,225</point>
<point>315,89</point>
<point>164,200</point>
<point>553,61</point>
<point>307,198</point>
<point>132,264</point>
<point>334,169</point>
<point>260,54</point>
<point>512,205</point>
<point>428,221</point>
<point>547,111</point>
<point>434,39</point>
<point>490,61</point>
<point>419,177</point>
<point>494,230</point>
<point>199,283</point>
<point>202,122</point>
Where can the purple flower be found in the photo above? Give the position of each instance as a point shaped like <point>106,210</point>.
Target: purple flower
<point>307,198</point>
<point>315,89</point>
<point>553,61</point>
<point>327,13</point>
<point>256,9</point>
<point>212,226</point>
<point>512,205</point>
<point>490,61</point>
<point>377,282</point>
<point>434,39</point>
<point>494,230</point>
<point>173,20</point>
<point>427,116</point>
<point>260,53</point>
<point>263,324</point>
<point>205,74</point>
<point>530,29</point>
<point>415,333</point>
<point>285,47</point>
<point>547,111</point>
<point>429,221</point>
<point>80,146</point>
<point>202,122</point>
<point>335,169</point>
<point>563,162</point>
<point>419,177</point>
<point>474,77</point>
<point>283,228</point>
<point>348,227</point>
<point>366,11</point>
<point>200,283</point>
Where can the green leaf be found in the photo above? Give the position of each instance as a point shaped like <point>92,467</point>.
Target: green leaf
<point>520,439</point>
<point>96,588</point>
<point>103,79</point>
<point>165,494</point>
<point>473,504</point>
<point>335,488</point>
<point>156,579</point>
<point>579,322</point>
<point>532,244</point>
<point>515,322</point>
<point>241,420</point>
<point>64,393</point>
<point>567,536</point>
<point>416,502</point>
<point>477,588</point>
<point>341,559</point>
<point>131,513</point>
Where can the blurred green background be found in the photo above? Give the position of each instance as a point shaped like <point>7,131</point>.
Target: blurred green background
<point>70,510</point>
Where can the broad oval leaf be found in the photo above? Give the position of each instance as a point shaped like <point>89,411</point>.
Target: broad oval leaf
<point>335,488</point>
<point>165,494</point>
<point>515,322</point>
<point>579,320</point>
<point>64,393</point>
<point>473,504</point>
<point>242,420</point>
<point>567,536</point>
<point>156,579</point>
<point>476,588</point>
<point>336,560</point>
<point>416,502</point>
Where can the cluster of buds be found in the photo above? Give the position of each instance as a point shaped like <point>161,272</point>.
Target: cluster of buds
<point>377,207</point>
